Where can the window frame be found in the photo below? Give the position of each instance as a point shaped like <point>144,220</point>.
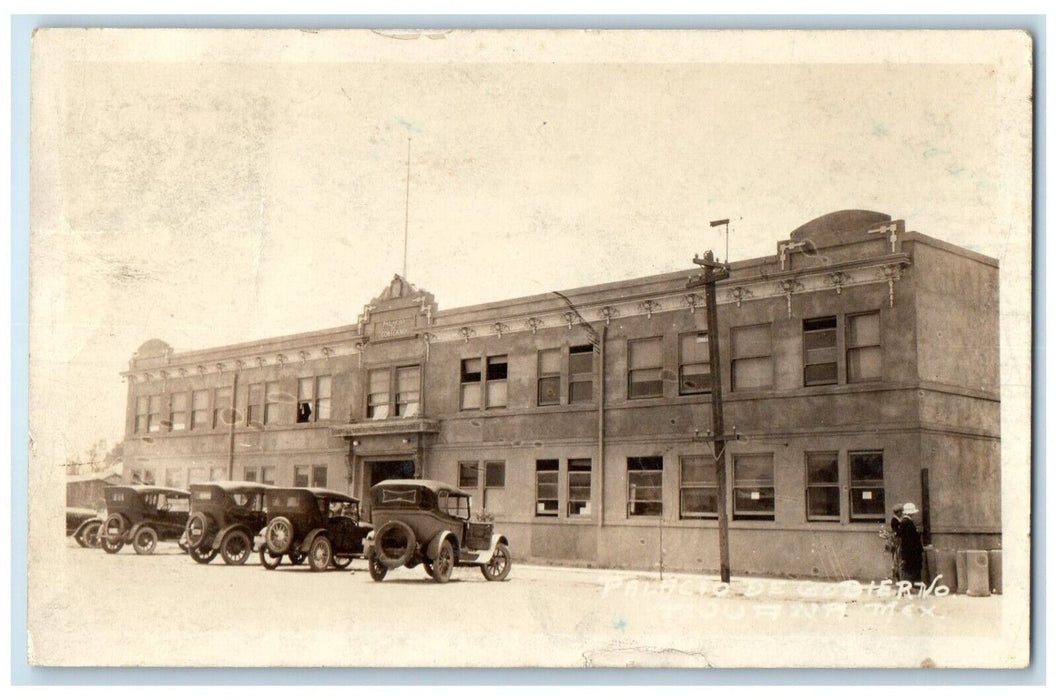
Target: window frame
<point>139,425</point>
<point>374,398</point>
<point>581,377</point>
<point>706,485</point>
<point>578,469</point>
<point>556,485</point>
<point>489,381</point>
<point>659,369</point>
<point>501,463</point>
<point>752,485</point>
<point>632,502</point>
<point>872,485</point>
<point>542,376</point>
<point>805,331</point>
<point>474,468</point>
<point>734,359</point>
<point>218,409</point>
<point>829,485</point>
<point>465,383</point>
<point>255,409</point>
<point>154,413</point>
<point>271,407</point>
<point>849,348</point>
<point>201,418</point>
<point>683,364</point>
<point>397,394</point>
<point>173,412</point>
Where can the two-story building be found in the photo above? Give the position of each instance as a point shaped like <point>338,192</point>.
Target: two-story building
<point>859,371</point>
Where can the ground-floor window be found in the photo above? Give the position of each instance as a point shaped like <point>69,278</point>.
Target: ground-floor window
<point>218,473</point>
<point>174,477</point>
<point>250,473</point>
<point>754,487</point>
<point>645,477</point>
<point>579,487</point>
<point>823,486</point>
<point>143,476</point>
<point>495,474</point>
<point>314,475</point>
<point>467,475</point>
<point>268,475</point>
<point>697,487</point>
<point>867,494</point>
<point>546,488</point>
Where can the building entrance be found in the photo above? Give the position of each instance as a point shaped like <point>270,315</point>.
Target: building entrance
<point>382,470</point>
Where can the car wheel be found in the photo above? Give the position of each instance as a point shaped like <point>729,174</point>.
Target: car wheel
<point>111,546</point>
<point>395,543</point>
<point>320,553</point>
<point>91,535</point>
<point>236,548</point>
<point>78,537</point>
<point>268,560</point>
<point>376,567</point>
<point>296,557</point>
<point>444,563</point>
<point>498,566</point>
<point>341,562</point>
<point>279,535</point>
<point>145,541</point>
<point>428,566</point>
<point>202,555</point>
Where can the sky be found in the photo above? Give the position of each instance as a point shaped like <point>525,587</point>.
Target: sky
<point>215,188</point>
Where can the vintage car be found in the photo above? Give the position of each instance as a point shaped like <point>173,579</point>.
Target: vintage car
<point>428,522</point>
<point>225,518</point>
<point>83,524</point>
<point>321,524</point>
<point>142,515</point>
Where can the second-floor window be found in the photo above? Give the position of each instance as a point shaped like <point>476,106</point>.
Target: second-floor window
<point>200,410</point>
<point>644,368</point>
<point>178,411</point>
<point>863,340</point>
<point>408,391</point>
<point>271,403</point>
<point>255,404</point>
<point>695,376</point>
<point>154,414</point>
<point>378,394</point>
<point>820,351</point>
<point>751,365</point>
<point>313,399</point>
<point>492,372</point>
<point>142,402</point>
<point>221,407</point>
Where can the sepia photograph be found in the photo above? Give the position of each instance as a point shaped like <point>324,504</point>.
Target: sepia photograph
<point>530,348</point>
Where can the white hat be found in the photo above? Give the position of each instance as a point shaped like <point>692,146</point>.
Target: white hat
<point>909,509</point>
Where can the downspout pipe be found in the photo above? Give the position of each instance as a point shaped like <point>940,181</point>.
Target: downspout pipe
<point>231,425</point>
<point>602,427</point>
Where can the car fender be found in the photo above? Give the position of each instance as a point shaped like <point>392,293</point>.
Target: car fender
<point>220,535</point>
<point>258,539</point>
<point>86,523</point>
<point>496,540</point>
<point>368,544</point>
<point>434,546</point>
<point>130,536</point>
<point>307,542</point>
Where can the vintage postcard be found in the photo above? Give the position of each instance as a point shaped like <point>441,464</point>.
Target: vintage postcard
<point>530,348</point>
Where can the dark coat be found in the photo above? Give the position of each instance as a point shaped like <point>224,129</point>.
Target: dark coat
<point>910,544</point>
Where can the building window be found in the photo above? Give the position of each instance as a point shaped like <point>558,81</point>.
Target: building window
<point>644,368</point>
<point>221,407</point>
<point>319,476</point>
<point>154,414</point>
<point>754,487</point>
<point>549,370</point>
<point>199,410</point>
<point>751,364</point>
<point>301,472</point>
<point>581,374</point>
<point>864,347</point>
<point>579,502</point>
<point>378,394</point>
<point>695,376</point>
<point>141,414</point>
<point>306,398</point>
<point>218,473</point>
<point>250,473</point>
<point>178,412</point>
<point>495,475</point>
<point>255,404</point>
<point>823,486</point>
<point>867,491</point>
<point>174,477</point>
<point>546,488</point>
<point>467,475</point>
<point>268,475</point>
<point>698,493</point>
<point>820,351</point>
<point>271,403</point>
<point>408,391</point>
<point>470,383</point>
<point>143,476</point>
<point>496,381</point>
<point>644,485</point>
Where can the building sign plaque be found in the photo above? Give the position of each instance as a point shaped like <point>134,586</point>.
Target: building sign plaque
<point>394,327</point>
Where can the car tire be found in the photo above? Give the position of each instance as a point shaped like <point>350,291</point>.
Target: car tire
<point>279,535</point>
<point>441,567</point>
<point>197,529</point>
<point>112,542</point>
<point>377,569</point>
<point>78,537</point>
<point>268,560</point>
<point>145,541</point>
<point>202,555</point>
<point>341,562</point>
<point>91,535</point>
<point>320,553</point>
<point>498,567</point>
<point>296,557</point>
<point>236,547</point>
<point>395,529</point>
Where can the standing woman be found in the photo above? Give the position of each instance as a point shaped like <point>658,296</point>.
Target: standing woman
<point>910,548</point>
<point>893,546</point>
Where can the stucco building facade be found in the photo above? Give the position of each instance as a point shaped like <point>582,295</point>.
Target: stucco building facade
<point>859,370</point>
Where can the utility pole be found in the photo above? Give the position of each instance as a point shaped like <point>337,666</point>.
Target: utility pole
<point>714,271</point>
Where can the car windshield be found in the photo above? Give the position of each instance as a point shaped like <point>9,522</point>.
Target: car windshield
<point>459,506</point>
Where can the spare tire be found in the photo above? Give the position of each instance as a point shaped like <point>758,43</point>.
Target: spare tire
<point>114,528</point>
<point>394,543</point>
<point>197,529</point>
